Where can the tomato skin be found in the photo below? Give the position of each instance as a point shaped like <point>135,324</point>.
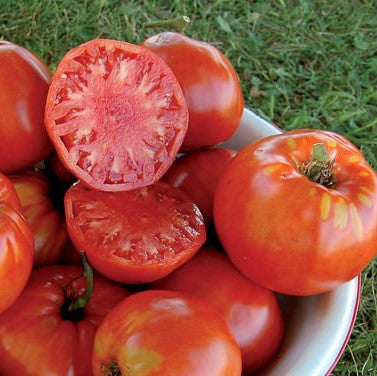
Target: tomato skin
<point>197,174</point>
<point>47,224</point>
<point>24,82</point>
<point>34,324</point>
<point>251,312</point>
<point>115,114</point>
<point>210,86</point>
<point>8,195</point>
<point>290,234</point>
<point>134,236</point>
<point>166,333</point>
<point>16,250</point>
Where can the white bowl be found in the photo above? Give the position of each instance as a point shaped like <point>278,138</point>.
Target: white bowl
<point>317,327</point>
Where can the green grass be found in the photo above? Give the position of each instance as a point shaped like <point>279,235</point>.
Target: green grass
<point>301,63</point>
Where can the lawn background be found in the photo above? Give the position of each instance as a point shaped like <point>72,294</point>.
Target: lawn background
<point>301,64</point>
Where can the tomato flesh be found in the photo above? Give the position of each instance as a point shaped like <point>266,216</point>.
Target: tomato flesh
<point>134,236</point>
<point>116,115</point>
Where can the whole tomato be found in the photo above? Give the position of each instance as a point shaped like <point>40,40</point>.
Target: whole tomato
<point>24,82</point>
<point>46,222</point>
<point>164,333</point>
<point>45,333</point>
<point>209,83</point>
<point>16,250</point>
<point>251,312</point>
<point>134,236</point>
<point>197,174</point>
<point>297,213</point>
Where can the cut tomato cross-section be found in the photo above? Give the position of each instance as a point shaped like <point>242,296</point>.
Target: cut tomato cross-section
<point>135,236</point>
<point>116,115</point>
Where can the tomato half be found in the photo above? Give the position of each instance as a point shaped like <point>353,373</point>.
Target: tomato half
<point>46,222</point>
<point>116,115</point>
<point>24,81</point>
<point>291,233</point>
<point>210,86</point>
<point>38,338</point>
<point>165,333</point>
<point>197,174</point>
<point>16,255</point>
<point>134,236</point>
<point>251,312</point>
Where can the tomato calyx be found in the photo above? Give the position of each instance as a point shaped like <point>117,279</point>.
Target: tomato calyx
<point>73,307</point>
<point>319,168</point>
<point>177,23</point>
<point>112,369</point>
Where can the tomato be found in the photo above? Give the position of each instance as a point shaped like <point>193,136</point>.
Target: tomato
<point>55,165</point>
<point>251,312</point>
<point>40,338</point>
<point>24,82</point>
<point>210,86</point>
<point>116,115</point>
<point>297,223</point>
<point>197,174</point>
<point>164,333</point>
<point>7,193</point>
<point>16,251</point>
<point>47,224</point>
<point>134,236</point>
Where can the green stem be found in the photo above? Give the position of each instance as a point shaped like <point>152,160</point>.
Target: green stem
<point>83,300</point>
<point>320,158</point>
<point>178,23</point>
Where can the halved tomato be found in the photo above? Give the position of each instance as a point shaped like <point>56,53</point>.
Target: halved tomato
<point>116,115</point>
<point>134,236</point>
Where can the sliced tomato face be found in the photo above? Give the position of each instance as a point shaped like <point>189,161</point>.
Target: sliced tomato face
<point>135,236</point>
<point>116,115</point>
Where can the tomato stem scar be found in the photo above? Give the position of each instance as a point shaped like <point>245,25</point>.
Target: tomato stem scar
<point>112,369</point>
<point>319,167</point>
<point>178,23</point>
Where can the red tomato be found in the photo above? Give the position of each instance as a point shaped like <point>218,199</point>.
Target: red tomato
<point>197,174</point>
<point>134,236</point>
<point>7,193</point>
<point>292,234</point>
<point>116,115</point>
<point>39,338</point>
<point>24,81</point>
<point>47,224</point>
<point>210,86</point>
<point>164,333</point>
<point>251,312</point>
<point>16,251</point>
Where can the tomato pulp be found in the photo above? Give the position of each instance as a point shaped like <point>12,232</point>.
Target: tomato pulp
<point>165,333</point>
<point>134,236</point>
<point>291,233</point>
<point>24,82</point>
<point>116,115</point>
<point>210,86</point>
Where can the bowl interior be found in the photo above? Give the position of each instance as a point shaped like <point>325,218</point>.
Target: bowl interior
<point>317,327</point>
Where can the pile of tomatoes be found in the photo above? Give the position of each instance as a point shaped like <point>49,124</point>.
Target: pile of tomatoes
<point>120,255</point>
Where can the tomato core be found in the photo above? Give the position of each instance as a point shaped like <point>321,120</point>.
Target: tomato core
<point>319,168</point>
<point>112,369</point>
